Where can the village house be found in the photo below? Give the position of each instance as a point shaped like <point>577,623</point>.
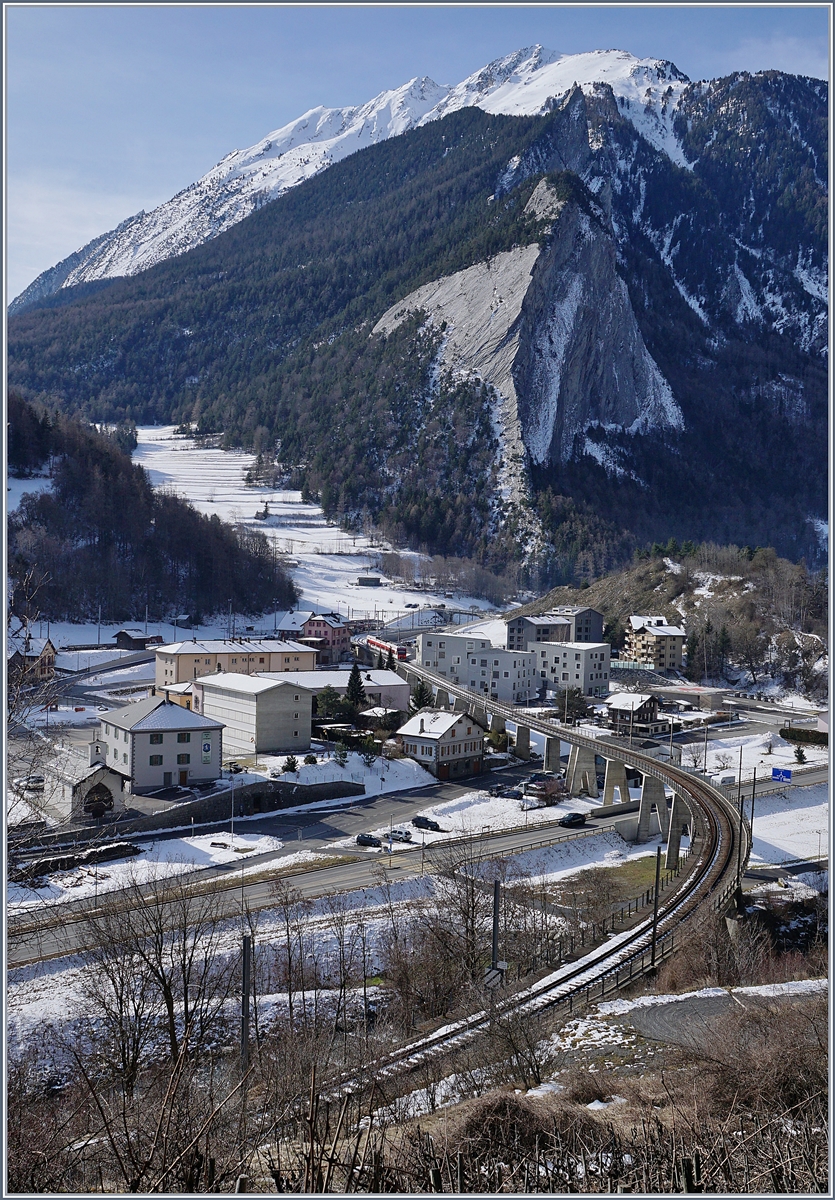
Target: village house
<point>30,660</point>
<point>260,714</point>
<point>636,714</point>
<point>565,623</point>
<point>474,663</point>
<point>653,643</point>
<point>135,639</point>
<point>177,662</point>
<point>449,745</point>
<point>564,665</point>
<point>153,744</point>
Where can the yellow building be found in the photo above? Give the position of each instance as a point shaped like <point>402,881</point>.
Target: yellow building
<point>180,661</point>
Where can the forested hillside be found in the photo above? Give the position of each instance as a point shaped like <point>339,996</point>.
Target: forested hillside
<point>103,536</point>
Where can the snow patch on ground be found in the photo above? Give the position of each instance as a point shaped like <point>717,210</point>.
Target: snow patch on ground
<point>158,860</point>
<point>791,827</point>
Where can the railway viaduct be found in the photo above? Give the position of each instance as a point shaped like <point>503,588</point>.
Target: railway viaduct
<point>582,772</point>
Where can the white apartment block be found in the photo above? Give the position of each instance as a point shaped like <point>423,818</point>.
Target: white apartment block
<point>563,665</point>
<point>261,715</point>
<point>473,663</point>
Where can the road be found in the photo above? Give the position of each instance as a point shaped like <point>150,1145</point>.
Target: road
<point>60,930</point>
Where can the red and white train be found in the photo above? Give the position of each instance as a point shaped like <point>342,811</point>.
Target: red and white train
<point>374,643</point>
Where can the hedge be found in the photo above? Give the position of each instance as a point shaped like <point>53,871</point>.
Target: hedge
<point>811,737</point>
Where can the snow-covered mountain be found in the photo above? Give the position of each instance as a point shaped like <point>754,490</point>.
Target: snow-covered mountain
<point>526,83</point>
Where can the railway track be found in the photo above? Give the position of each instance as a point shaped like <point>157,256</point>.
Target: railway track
<point>717,857</point>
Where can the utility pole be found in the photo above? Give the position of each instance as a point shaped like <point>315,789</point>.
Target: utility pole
<point>99,633</point>
<point>705,754</point>
<point>655,902</point>
<point>495,960</point>
<point>245,990</point>
<point>739,806</point>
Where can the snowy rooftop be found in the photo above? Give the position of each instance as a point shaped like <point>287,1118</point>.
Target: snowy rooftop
<point>224,646</point>
<point>629,701</point>
<point>251,685</point>
<point>656,625</point>
<point>316,680</point>
<point>291,622</point>
<point>431,723</point>
<point>548,619</point>
<point>158,713</point>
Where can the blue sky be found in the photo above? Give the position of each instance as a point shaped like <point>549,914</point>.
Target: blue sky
<point>111,109</point>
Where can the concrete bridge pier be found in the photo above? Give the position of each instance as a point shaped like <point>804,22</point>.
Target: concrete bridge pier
<point>460,705</point>
<point>497,724</point>
<point>652,793</point>
<point>615,778</point>
<point>522,748</point>
<point>442,699</point>
<point>552,754</point>
<point>582,772</point>
<point>679,820</point>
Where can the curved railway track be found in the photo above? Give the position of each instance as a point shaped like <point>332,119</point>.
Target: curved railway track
<point>710,881</point>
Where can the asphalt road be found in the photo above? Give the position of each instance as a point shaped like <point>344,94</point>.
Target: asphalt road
<point>53,933</point>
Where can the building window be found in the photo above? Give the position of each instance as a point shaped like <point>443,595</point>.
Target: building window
<point>260,660</point>
<point>183,737</point>
<point>155,760</point>
<point>297,698</point>
<point>107,729</point>
<point>124,758</point>
<point>295,733</point>
<point>182,759</point>
<point>295,716</point>
<point>234,660</point>
<point>156,739</point>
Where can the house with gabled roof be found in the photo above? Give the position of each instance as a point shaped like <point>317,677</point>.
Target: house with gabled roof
<point>153,744</point>
<point>448,744</point>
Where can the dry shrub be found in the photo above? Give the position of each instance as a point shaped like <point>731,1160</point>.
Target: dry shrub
<point>501,1122</point>
<point>766,1058</point>
<point>582,1086</point>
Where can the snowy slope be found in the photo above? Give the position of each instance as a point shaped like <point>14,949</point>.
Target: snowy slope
<point>524,83</point>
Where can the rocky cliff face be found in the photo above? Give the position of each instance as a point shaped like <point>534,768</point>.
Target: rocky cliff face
<point>551,328</point>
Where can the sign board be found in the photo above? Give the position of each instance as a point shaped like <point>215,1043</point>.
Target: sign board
<point>781,774</point>
<point>207,752</point>
<point>493,977</point>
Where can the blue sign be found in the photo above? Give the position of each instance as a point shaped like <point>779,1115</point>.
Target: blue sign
<point>781,774</point>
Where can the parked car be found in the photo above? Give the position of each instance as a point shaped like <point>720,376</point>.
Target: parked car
<point>413,606</point>
<point>400,835</point>
<point>572,819</point>
<point>425,823</point>
<point>368,839</point>
<point>511,793</point>
<point>234,768</point>
<point>29,783</point>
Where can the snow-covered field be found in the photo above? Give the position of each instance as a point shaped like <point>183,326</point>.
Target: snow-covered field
<point>16,489</point>
<point>761,751</point>
<point>384,774</point>
<point>791,826</point>
<point>329,560</point>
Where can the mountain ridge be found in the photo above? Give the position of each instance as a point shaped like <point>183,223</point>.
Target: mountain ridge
<point>524,83</point>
